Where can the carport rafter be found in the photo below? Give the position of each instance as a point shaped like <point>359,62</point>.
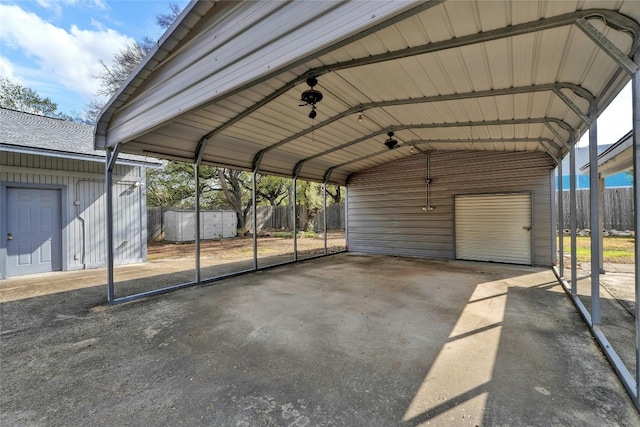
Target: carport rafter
<point>573,106</point>
<point>414,143</point>
<point>557,134</point>
<point>543,120</point>
<point>611,18</point>
<point>282,90</point>
<point>553,87</point>
<point>606,46</point>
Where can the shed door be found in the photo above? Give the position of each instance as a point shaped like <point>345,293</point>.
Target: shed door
<point>34,232</point>
<point>494,227</point>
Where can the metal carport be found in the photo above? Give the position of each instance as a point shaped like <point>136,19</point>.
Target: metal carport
<point>222,87</point>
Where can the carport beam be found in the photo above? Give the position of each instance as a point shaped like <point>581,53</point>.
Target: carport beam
<point>573,222</point>
<point>111,156</point>
<point>560,222</point>
<point>196,179</point>
<point>295,218</point>
<point>324,211</point>
<point>594,208</point>
<point>254,216</point>
<point>346,218</point>
<point>635,89</point>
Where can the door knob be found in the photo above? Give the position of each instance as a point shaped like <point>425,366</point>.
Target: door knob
<point>9,236</point>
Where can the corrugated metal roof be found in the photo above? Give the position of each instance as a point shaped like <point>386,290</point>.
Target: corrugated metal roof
<point>24,132</point>
<point>224,83</point>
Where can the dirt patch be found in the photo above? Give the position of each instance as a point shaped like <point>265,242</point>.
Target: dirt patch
<point>242,247</point>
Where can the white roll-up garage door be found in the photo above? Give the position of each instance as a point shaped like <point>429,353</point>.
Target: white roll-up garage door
<point>494,227</point>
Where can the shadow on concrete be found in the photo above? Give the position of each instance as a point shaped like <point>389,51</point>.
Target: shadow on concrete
<point>342,340</point>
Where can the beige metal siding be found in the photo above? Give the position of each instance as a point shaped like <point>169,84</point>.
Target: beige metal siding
<point>493,227</point>
<point>385,204</point>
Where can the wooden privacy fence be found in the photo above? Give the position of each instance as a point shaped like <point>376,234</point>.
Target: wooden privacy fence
<point>618,208</point>
<point>279,218</point>
<point>155,227</point>
<point>269,218</point>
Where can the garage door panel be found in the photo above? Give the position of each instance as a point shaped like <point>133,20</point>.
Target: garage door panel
<point>494,227</point>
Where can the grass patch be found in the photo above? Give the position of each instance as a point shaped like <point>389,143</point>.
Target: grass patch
<point>616,250</point>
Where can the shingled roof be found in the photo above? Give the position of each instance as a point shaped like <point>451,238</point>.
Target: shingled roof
<point>35,134</point>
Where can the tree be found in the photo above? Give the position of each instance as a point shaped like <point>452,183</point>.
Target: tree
<point>236,186</point>
<point>173,186</point>
<point>273,189</point>
<point>335,192</point>
<point>309,195</point>
<point>125,61</point>
<point>17,97</point>
<point>164,20</point>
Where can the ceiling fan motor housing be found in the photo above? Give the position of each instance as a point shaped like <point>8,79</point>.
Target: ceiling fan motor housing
<point>390,142</point>
<point>311,96</point>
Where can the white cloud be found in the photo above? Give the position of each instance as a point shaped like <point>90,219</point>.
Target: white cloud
<point>57,5</point>
<point>69,57</point>
<point>6,69</point>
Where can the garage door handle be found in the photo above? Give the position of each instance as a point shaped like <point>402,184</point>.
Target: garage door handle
<point>9,236</point>
<point>526,228</point>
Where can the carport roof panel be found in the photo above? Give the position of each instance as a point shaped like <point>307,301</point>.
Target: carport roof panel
<point>226,80</point>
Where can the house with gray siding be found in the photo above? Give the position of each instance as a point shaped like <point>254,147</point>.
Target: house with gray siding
<point>52,198</point>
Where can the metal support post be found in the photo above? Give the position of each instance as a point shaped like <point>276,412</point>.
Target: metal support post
<point>196,178</point>
<point>594,208</point>
<point>295,219</point>
<point>573,222</point>
<point>346,218</point>
<point>324,210</point>
<point>560,222</point>
<point>109,194</point>
<point>635,89</point>
<point>601,224</point>
<point>254,216</point>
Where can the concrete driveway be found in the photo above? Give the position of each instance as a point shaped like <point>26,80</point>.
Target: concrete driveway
<point>348,340</point>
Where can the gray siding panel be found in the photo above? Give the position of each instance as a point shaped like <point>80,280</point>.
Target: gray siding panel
<point>84,225</point>
<point>386,204</point>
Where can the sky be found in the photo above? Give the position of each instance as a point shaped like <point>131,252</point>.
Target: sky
<point>55,46</point>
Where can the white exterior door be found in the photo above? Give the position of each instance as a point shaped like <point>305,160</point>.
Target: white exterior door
<point>494,227</point>
<point>34,231</point>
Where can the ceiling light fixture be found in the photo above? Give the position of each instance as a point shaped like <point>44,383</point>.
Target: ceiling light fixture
<point>360,119</point>
<point>390,142</point>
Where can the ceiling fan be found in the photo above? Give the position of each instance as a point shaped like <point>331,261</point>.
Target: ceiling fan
<point>311,96</point>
